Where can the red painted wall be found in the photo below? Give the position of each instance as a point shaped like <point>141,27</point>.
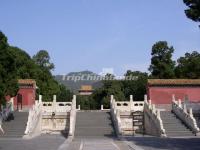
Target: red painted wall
<point>163,95</point>
<point>28,97</point>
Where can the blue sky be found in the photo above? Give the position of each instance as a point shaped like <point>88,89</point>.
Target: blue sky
<point>95,34</point>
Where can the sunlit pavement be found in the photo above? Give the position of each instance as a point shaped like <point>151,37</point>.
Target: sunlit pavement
<point>44,142</point>
<point>96,143</point>
<point>156,143</point>
<point>57,142</point>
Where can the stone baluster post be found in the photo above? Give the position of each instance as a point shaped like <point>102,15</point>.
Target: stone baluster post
<point>111,97</point>
<point>131,102</point>
<point>111,100</point>
<point>12,104</point>
<point>145,98</point>
<point>36,103</point>
<point>74,102</point>
<point>114,106</point>
<point>190,112</point>
<point>158,113</point>
<point>79,107</point>
<point>54,103</point>
<point>149,104</point>
<point>101,107</point>
<point>184,108</point>
<point>40,98</point>
<point>153,108</point>
<point>179,103</point>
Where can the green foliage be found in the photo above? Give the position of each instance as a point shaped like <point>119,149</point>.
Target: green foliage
<point>162,65</point>
<point>193,11</point>
<point>64,94</point>
<point>17,64</point>
<point>136,87</point>
<point>8,69</point>
<point>189,66</point>
<point>42,58</point>
<point>84,102</point>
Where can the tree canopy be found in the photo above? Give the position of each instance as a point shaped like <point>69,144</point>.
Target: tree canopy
<point>17,64</point>
<point>8,69</point>
<point>136,87</point>
<point>189,66</point>
<point>162,65</point>
<point>193,11</point>
<point>42,58</point>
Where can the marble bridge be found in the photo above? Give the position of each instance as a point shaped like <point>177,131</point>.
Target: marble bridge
<point>99,129</point>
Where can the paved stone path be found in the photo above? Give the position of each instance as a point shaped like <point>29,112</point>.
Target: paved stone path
<point>57,142</point>
<point>44,142</point>
<point>97,143</point>
<point>156,143</point>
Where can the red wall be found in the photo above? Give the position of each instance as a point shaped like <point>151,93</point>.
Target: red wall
<point>28,97</point>
<point>163,95</point>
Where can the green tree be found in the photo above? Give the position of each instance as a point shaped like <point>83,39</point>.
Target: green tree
<point>8,80</point>
<point>136,87</point>
<point>64,94</point>
<point>42,58</point>
<point>193,11</point>
<point>17,64</point>
<point>110,87</point>
<point>188,66</point>
<point>162,65</point>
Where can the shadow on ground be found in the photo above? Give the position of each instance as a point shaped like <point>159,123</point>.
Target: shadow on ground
<point>166,143</point>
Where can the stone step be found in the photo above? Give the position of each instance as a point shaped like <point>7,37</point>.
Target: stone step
<point>16,126</point>
<point>173,126</point>
<point>94,124</point>
<point>179,129</point>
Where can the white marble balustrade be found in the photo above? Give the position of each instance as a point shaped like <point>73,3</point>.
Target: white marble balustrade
<point>153,121</point>
<point>186,116</point>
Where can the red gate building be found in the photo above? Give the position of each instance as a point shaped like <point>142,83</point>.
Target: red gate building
<point>26,95</point>
<point>160,91</point>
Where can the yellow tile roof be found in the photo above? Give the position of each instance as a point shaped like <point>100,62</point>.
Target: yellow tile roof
<point>27,81</point>
<point>86,88</point>
<point>173,81</point>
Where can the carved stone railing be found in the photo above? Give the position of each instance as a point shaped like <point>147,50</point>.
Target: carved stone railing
<point>56,107</point>
<point>187,117</point>
<point>129,105</point>
<point>72,117</point>
<point>59,116</point>
<point>124,125</point>
<point>44,115</point>
<point>115,116</point>
<point>153,119</point>
<point>34,116</point>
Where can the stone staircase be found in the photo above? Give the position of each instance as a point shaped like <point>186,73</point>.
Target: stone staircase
<point>15,127</point>
<point>98,124</point>
<point>173,126</point>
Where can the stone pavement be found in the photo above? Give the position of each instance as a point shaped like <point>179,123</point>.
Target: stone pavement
<point>44,142</point>
<point>97,143</point>
<point>57,142</point>
<point>156,143</point>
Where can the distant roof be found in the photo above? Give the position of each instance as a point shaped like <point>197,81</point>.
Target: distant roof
<point>86,88</point>
<point>173,81</point>
<point>27,81</point>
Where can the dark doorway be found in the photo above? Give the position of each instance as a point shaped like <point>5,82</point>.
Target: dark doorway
<point>19,101</point>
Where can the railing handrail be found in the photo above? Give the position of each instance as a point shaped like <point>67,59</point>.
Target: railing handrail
<point>155,116</point>
<point>182,113</point>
